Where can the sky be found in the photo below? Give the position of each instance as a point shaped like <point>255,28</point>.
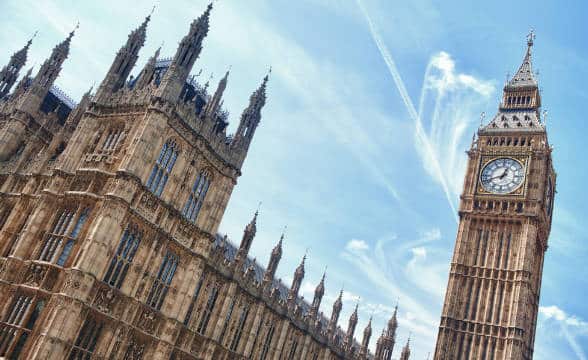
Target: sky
<point>361,150</point>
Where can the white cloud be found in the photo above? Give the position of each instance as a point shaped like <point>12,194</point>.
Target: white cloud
<point>355,245</point>
<point>420,251</point>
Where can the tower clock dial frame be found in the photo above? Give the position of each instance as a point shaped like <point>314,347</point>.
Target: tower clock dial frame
<point>503,175</point>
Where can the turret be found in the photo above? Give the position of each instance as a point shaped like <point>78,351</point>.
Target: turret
<point>23,84</point>
<point>367,334</point>
<point>319,292</point>
<point>337,306</point>
<point>46,76</point>
<point>351,328</point>
<point>297,281</point>
<point>148,72</point>
<point>9,73</point>
<point>250,119</point>
<point>188,51</point>
<point>123,63</point>
<point>387,340</point>
<point>248,236</point>
<point>406,351</point>
<point>270,272</point>
<point>212,106</point>
<point>76,114</point>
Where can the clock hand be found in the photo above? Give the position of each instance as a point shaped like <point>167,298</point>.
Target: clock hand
<point>499,176</point>
<point>504,174</point>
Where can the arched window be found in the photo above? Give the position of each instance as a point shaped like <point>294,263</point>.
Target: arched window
<point>18,324</point>
<point>86,341</point>
<point>197,195</point>
<point>61,238</point>
<point>163,167</point>
<point>212,295</point>
<point>164,278</point>
<point>268,341</point>
<point>120,263</point>
<point>239,330</point>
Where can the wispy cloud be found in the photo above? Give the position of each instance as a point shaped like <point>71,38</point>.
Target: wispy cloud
<point>448,121</point>
<point>571,327</point>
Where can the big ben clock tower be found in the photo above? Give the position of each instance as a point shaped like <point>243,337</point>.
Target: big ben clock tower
<point>492,299</point>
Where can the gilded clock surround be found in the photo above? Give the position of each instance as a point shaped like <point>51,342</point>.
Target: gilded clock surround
<point>487,159</point>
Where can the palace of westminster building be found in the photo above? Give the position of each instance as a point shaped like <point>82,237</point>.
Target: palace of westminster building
<point>109,215</point>
<point>109,211</point>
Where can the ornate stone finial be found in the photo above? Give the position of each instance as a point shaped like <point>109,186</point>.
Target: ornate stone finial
<point>482,117</point>
<point>531,37</point>
<point>544,116</point>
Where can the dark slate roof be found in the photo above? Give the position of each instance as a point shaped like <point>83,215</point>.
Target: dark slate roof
<point>59,102</point>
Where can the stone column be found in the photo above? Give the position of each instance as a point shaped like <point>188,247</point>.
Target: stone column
<point>282,334</point>
<point>251,330</point>
<point>224,306</point>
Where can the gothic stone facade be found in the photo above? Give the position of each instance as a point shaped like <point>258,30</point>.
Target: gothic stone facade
<point>109,212</point>
<point>492,298</point>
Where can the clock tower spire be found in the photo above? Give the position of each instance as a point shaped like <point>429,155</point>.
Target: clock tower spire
<point>492,297</point>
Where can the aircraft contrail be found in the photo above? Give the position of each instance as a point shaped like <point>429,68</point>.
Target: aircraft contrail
<point>416,117</point>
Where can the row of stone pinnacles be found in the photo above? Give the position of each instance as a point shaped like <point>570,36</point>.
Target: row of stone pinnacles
<point>108,216</point>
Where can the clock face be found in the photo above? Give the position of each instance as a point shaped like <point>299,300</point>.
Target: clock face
<point>502,176</point>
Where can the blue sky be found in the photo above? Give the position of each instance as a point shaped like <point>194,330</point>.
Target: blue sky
<point>339,157</point>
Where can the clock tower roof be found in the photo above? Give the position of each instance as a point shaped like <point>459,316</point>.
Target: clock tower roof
<point>521,100</point>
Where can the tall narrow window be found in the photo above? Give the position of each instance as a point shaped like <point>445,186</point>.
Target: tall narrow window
<point>293,349</point>
<point>18,324</point>
<point>267,343</point>
<point>162,168</point>
<point>120,263</point>
<point>194,301</point>
<point>240,325</point>
<point>61,239</point>
<point>207,310</point>
<point>87,339</point>
<point>112,139</point>
<point>226,322</point>
<point>164,278</point>
<point>197,195</point>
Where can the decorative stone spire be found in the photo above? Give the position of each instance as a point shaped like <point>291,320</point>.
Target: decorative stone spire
<point>123,63</point>
<point>297,281</point>
<point>9,73</point>
<point>148,72</point>
<point>188,51</point>
<point>248,235</point>
<point>47,75</point>
<point>75,116</point>
<point>337,306</point>
<point>214,104</point>
<point>319,292</point>
<point>393,324</point>
<point>351,327</point>
<point>406,351</point>
<point>270,273</point>
<point>387,340</point>
<point>250,118</point>
<point>23,84</point>
<point>367,334</point>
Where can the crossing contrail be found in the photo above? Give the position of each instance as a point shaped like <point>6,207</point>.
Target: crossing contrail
<point>416,117</point>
